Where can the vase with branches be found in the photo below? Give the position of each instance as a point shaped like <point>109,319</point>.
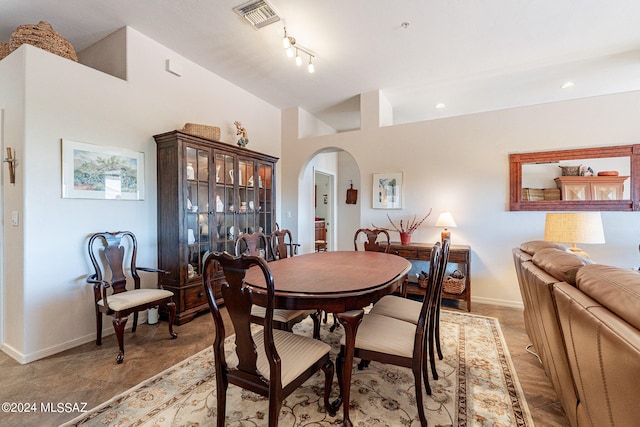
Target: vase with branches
<point>405,228</point>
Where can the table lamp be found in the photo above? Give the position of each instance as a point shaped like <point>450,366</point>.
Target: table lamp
<point>445,220</point>
<point>574,227</point>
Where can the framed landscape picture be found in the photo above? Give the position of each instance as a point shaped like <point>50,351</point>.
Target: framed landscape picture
<point>97,172</point>
<point>387,190</point>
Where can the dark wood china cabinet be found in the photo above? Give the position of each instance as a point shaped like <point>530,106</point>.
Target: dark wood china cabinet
<point>209,193</point>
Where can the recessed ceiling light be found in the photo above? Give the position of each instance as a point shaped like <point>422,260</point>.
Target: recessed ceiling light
<point>440,105</point>
<point>405,24</point>
<point>567,85</point>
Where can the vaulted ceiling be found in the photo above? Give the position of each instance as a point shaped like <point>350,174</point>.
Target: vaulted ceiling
<point>469,55</point>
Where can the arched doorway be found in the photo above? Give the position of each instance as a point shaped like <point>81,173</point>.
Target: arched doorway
<point>337,170</point>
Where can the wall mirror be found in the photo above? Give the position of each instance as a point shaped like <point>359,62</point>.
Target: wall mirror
<point>584,179</point>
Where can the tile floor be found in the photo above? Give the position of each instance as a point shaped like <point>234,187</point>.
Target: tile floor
<point>89,374</point>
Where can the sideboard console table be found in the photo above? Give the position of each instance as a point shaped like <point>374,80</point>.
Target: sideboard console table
<point>458,254</point>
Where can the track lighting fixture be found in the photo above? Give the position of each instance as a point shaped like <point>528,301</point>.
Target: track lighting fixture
<point>289,44</point>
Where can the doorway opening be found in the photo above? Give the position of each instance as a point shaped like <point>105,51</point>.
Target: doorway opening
<point>330,171</point>
<point>324,204</point>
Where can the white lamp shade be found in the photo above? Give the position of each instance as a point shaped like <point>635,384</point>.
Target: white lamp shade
<point>445,220</point>
<point>574,227</point>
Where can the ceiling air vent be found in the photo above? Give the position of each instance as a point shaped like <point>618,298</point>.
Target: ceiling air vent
<point>259,13</point>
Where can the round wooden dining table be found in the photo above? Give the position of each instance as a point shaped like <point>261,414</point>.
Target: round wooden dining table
<point>341,282</point>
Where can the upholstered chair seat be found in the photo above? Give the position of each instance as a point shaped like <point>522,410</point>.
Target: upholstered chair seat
<point>296,353</point>
<point>134,298</point>
<point>282,315</point>
<point>385,335</point>
<point>398,308</point>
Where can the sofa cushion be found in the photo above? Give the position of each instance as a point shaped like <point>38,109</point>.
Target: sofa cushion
<point>616,288</point>
<point>535,245</point>
<point>560,263</point>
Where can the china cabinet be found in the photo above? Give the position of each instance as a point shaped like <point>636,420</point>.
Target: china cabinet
<point>209,193</point>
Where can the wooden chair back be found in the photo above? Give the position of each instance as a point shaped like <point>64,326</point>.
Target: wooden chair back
<point>282,244</point>
<point>114,263</point>
<point>254,244</point>
<point>238,302</point>
<point>377,240</point>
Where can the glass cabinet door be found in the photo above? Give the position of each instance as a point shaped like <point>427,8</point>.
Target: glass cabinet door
<point>265,208</point>
<point>246,193</point>
<point>225,204</point>
<point>196,207</point>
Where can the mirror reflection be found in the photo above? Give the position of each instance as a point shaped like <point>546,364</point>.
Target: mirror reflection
<point>600,178</point>
<point>580,179</point>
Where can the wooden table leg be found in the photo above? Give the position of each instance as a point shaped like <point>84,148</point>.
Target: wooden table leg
<point>350,320</point>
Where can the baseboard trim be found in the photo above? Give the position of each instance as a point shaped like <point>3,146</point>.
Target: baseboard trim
<point>498,302</point>
<point>23,359</point>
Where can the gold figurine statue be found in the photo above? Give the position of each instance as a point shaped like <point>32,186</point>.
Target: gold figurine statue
<point>244,140</point>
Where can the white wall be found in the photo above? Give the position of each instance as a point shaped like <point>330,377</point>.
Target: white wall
<point>461,165</point>
<point>47,306</point>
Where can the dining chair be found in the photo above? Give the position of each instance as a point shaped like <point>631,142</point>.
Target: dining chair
<point>393,341</point>
<point>267,361</point>
<point>409,310</point>
<point>257,244</point>
<point>282,243</point>
<point>377,240</point>
<point>119,302</point>
<point>321,237</point>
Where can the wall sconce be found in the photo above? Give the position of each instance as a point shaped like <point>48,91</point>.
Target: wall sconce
<point>11,162</point>
<point>289,44</point>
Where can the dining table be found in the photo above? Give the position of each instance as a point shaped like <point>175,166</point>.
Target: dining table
<point>339,282</point>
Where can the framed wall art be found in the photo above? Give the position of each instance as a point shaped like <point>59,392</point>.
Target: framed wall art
<point>97,172</point>
<point>387,190</point>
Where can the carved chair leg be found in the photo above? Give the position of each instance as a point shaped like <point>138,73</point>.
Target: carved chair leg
<point>135,322</point>
<point>404,287</point>
<point>172,316</point>
<point>221,398</point>
<point>418,386</point>
<point>98,327</point>
<point>328,369</point>
<point>118,326</point>
<point>274,410</point>
<point>316,324</point>
<point>335,325</point>
<point>363,364</point>
<point>339,367</point>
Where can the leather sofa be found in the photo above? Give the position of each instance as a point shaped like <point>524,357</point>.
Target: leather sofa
<point>583,320</point>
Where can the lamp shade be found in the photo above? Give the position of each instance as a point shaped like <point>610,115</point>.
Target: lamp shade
<point>574,227</point>
<point>445,220</point>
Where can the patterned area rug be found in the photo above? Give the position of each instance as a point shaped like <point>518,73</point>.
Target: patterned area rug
<point>477,386</point>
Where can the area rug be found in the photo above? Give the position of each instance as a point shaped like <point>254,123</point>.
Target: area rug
<point>477,386</point>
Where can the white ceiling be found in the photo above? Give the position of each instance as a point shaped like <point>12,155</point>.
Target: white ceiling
<point>471,55</point>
